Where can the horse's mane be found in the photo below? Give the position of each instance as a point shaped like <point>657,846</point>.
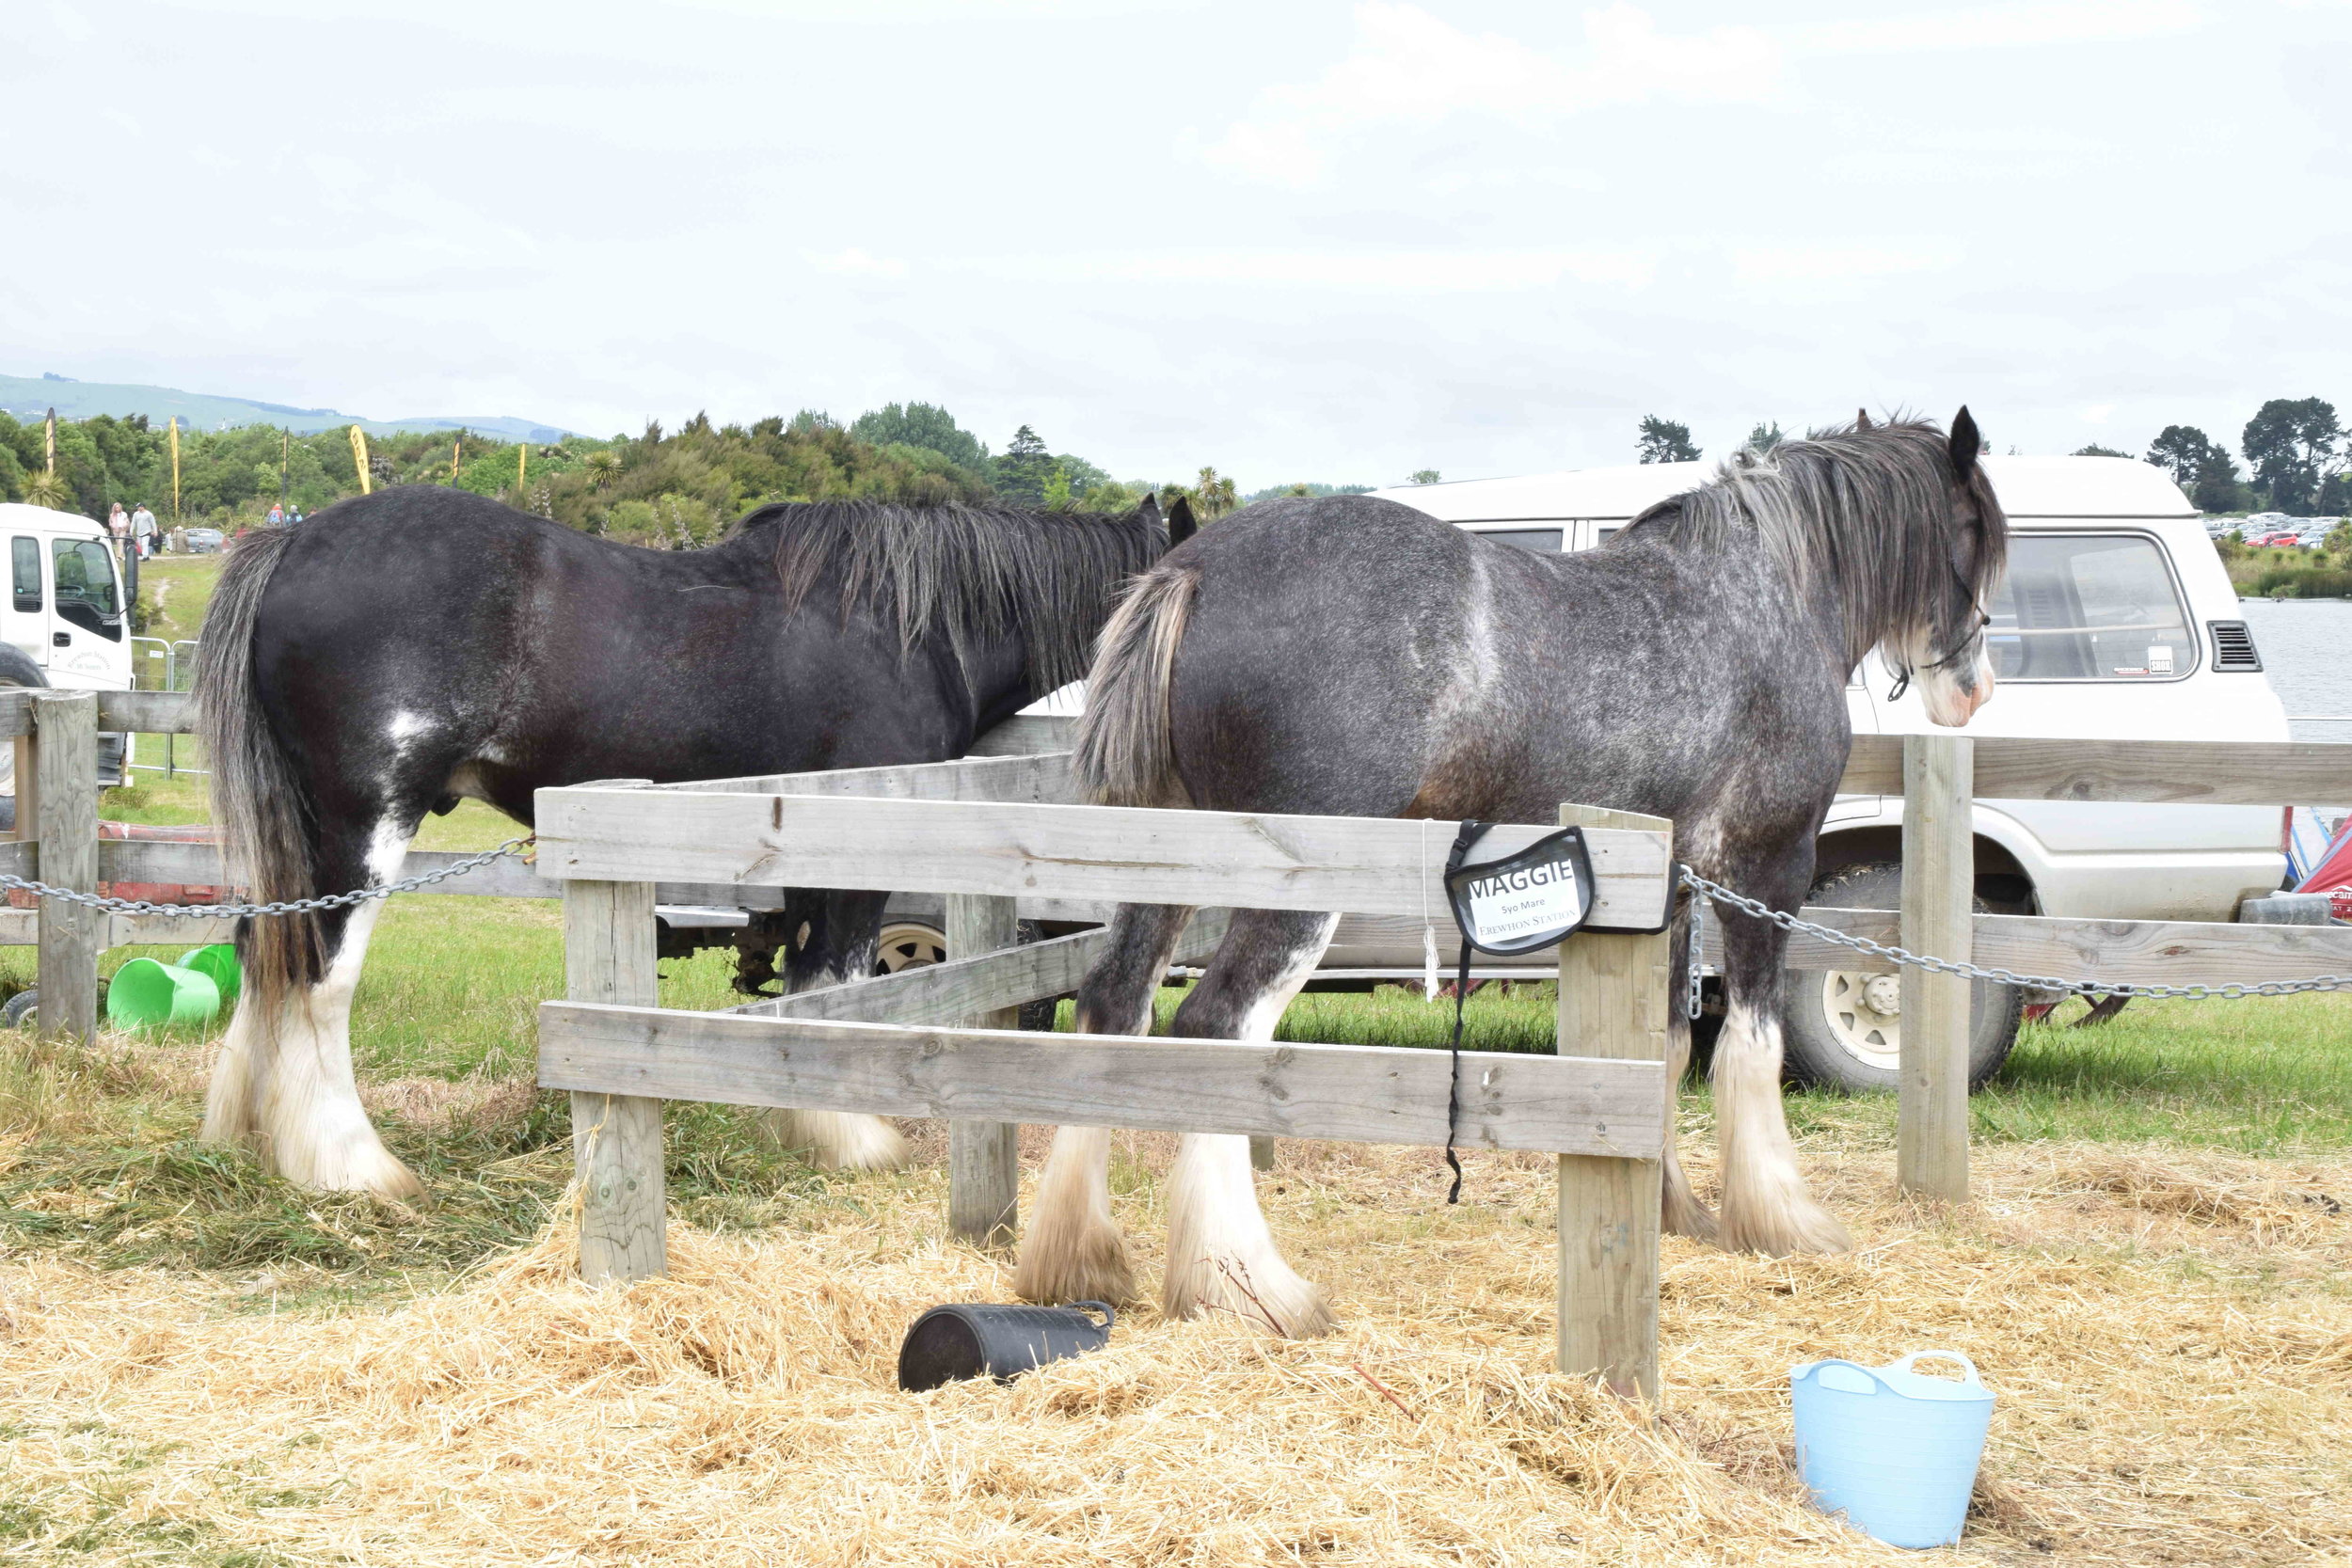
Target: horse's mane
<point>1864,509</point>
<point>968,573</point>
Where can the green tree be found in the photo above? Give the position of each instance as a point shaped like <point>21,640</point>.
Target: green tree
<point>2185,452</point>
<point>2294,444</point>
<point>1419,476</point>
<point>2095,449</point>
<point>1022,471</point>
<point>1214,496</point>
<point>1764,438</point>
<point>926,425</point>
<point>1665,441</point>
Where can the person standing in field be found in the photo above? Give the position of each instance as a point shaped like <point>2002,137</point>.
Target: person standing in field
<point>143,530</point>
<point>119,526</point>
<point>277,515</point>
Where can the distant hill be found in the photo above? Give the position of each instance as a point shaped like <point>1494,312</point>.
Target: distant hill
<point>34,396</point>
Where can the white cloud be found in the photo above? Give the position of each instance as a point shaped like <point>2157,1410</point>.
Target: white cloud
<point>1817,263</point>
<point>2097,413</point>
<point>2073,21</point>
<point>1410,68</point>
<point>1372,272</point>
<point>854,262</point>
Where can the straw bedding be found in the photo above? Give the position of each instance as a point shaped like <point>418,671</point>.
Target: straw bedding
<point>2168,1333</point>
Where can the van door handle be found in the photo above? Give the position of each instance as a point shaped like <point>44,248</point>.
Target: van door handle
<point>61,638</point>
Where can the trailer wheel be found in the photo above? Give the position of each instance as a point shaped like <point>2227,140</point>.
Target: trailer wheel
<point>1843,1029</point>
<point>21,1010</point>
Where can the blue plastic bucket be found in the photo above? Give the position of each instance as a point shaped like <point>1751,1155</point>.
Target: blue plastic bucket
<point>1892,1450</point>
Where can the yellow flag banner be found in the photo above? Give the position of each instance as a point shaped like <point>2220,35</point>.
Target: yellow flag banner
<point>360,456</point>
<point>175,467</point>
<point>522,460</point>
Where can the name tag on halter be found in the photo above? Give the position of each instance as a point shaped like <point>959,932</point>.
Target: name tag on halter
<point>1533,898</point>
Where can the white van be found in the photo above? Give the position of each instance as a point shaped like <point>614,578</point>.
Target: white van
<point>2117,620</point>
<point>64,621</point>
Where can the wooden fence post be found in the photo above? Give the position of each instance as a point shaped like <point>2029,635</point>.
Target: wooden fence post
<point>1613,995</point>
<point>1939,890</point>
<point>65,781</point>
<point>983,1156</point>
<point>616,1139</point>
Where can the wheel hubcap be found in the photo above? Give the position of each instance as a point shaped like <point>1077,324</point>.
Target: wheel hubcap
<point>909,946</point>
<point>1865,1014</point>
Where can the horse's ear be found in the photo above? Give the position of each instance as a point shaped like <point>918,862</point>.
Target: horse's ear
<point>1180,524</point>
<point>1966,445</point>
<point>1862,419</point>
<point>1150,511</point>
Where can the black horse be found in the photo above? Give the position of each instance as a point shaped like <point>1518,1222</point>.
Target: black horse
<point>1350,656</point>
<point>402,651</point>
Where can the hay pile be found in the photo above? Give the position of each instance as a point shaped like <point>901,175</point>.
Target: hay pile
<point>2169,1338</point>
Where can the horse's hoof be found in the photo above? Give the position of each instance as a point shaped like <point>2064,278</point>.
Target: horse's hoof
<point>839,1140</point>
<point>1060,1263</point>
<point>1787,1230</point>
<point>1684,1215</point>
<point>372,1169</point>
<point>1270,1295</point>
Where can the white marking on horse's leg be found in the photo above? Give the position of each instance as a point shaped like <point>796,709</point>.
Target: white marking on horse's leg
<point>245,1054</point>
<point>1680,1209</point>
<point>836,1140</point>
<point>1221,1255</point>
<point>1071,1249</point>
<point>1766,1208</point>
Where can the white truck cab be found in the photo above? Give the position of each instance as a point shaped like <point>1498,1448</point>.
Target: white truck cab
<point>64,612</point>
<point>64,621</point>
<point>2116,621</point>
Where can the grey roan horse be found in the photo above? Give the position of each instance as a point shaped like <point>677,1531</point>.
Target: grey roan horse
<point>1348,656</point>
<point>403,650</point>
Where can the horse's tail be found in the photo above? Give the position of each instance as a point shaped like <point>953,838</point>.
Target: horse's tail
<point>1125,754</point>
<point>259,803</point>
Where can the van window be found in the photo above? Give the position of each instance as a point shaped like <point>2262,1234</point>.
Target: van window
<point>2088,608</point>
<point>86,586</point>
<point>1543,540</point>
<point>25,557</point>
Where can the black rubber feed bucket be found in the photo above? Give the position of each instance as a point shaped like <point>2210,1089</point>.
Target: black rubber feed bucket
<point>978,1339</point>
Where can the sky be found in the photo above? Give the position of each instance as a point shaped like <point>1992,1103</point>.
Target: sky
<point>1306,240</point>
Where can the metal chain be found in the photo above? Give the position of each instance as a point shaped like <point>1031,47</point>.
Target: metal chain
<point>1720,894</point>
<point>513,846</point>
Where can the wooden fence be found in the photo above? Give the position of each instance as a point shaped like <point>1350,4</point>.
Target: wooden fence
<point>935,1042</point>
<point>1938,774</point>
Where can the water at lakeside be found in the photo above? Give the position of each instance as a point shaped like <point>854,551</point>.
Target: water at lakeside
<point>2306,648</point>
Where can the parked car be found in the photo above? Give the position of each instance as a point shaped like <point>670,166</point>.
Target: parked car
<point>2117,620</point>
<point>204,541</point>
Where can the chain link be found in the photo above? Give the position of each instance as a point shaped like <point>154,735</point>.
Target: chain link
<point>1719,893</point>
<point>513,846</point>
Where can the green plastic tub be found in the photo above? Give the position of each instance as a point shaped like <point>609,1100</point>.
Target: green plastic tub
<point>219,960</point>
<point>145,994</point>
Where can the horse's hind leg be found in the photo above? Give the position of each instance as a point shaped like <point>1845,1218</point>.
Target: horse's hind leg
<point>1680,1210</point>
<point>838,948</point>
<point>1221,1255</point>
<point>1071,1249</point>
<point>1765,1207</point>
<point>284,1081</point>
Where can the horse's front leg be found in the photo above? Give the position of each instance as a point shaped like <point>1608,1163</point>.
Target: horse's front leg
<point>830,937</point>
<point>1221,1255</point>
<point>1071,1249</point>
<point>1680,1209</point>
<point>1765,1206</point>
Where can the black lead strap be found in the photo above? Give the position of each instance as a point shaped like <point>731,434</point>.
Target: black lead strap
<point>1470,833</point>
<point>1533,897</point>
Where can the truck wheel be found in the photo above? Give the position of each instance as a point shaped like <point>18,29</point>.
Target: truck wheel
<point>910,944</point>
<point>1844,1030</point>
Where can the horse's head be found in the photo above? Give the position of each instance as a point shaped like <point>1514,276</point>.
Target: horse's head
<point>1942,647</point>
